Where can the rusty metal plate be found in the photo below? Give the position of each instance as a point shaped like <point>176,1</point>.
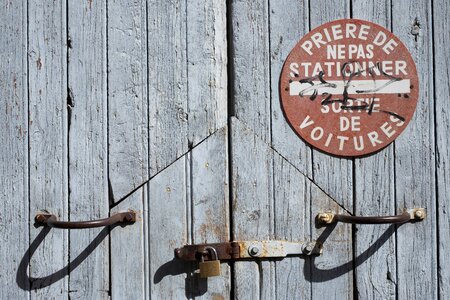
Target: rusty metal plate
<point>349,87</point>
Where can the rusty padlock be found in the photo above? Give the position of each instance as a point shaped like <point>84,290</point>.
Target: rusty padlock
<point>212,267</point>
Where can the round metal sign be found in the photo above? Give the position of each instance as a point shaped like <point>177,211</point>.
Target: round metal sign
<point>349,87</point>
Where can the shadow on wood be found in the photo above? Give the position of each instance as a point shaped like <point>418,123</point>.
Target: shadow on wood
<point>194,285</point>
<point>25,282</point>
<point>313,274</point>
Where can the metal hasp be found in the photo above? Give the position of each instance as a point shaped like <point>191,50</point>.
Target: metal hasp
<point>52,221</point>
<point>249,249</point>
<point>416,214</point>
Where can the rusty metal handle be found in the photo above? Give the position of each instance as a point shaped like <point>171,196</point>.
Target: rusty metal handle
<point>416,214</point>
<point>52,221</point>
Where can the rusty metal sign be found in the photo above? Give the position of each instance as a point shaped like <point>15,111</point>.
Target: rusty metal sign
<point>349,87</point>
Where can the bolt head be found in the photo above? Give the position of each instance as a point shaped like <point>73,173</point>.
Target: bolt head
<point>419,214</point>
<point>253,250</point>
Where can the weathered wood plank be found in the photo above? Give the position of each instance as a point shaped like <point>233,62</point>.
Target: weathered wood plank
<point>374,195</point>
<point>288,23</point>
<point>129,256</point>
<point>331,274</point>
<point>208,163</point>
<point>253,212</point>
<point>207,68</point>
<point>334,175</point>
<point>187,76</point>
<point>168,225</point>
<point>88,185</point>
<point>127,96</point>
<point>194,191</point>
<point>258,171</point>
<point>47,50</point>
<point>251,65</point>
<point>292,223</point>
<point>415,159</point>
<point>14,211</point>
<point>441,11</point>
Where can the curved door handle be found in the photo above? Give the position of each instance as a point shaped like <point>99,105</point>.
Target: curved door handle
<point>417,214</point>
<point>52,221</point>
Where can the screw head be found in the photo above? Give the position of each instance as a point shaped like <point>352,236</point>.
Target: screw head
<point>419,214</point>
<point>308,248</point>
<point>253,250</point>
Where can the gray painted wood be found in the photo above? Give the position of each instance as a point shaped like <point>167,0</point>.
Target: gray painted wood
<point>334,175</point>
<point>14,211</point>
<point>374,195</point>
<point>415,160</point>
<point>209,198</point>
<point>48,142</point>
<point>127,97</point>
<point>253,208</point>
<point>441,11</point>
<point>283,38</point>
<point>287,212</point>
<point>188,203</point>
<point>251,65</point>
<point>129,253</point>
<point>187,76</point>
<point>88,184</point>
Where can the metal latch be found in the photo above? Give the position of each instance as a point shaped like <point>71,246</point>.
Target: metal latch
<point>249,249</point>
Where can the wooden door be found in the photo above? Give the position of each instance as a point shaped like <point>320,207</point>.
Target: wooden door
<point>171,108</point>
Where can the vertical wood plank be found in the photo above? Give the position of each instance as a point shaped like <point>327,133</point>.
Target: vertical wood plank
<point>187,76</point>
<point>288,23</point>
<point>14,191</point>
<point>209,202</point>
<point>168,225</point>
<point>251,65</point>
<point>415,159</point>
<point>127,96</point>
<point>207,68</point>
<point>441,11</point>
<point>188,203</point>
<point>129,255</point>
<point>292,223</point>
<point>252,202</point>
<point>374,195</point>
<point>88,187</point>
<point>334,175</point>
<point>48,142</point>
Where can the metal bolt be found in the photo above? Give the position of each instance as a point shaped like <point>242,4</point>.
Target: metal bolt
<point>325,218</point>
<point>308,248</point>
<point>419,214</point>
<point>253,250</point>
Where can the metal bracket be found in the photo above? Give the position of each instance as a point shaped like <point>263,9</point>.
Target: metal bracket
<point>249,250</point>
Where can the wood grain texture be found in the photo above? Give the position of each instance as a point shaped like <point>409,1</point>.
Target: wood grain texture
<point>376,278</point>
<point>441,11</point>
<point>283,37</point>
<point>253,208</point>
<point>48,142</point>
<point>129,256</point>
<point>251,65</point>
<point>88,185</point>
<point>168,225</point>
<point>187,76</point>
<point>273,200</point>
<point>14,191</point>
<point>209,198</point>
<point>291,223</point>
<point>188,203</point>
<point>415,160</point>
<point>127,96</point>
<point>334,175</point>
